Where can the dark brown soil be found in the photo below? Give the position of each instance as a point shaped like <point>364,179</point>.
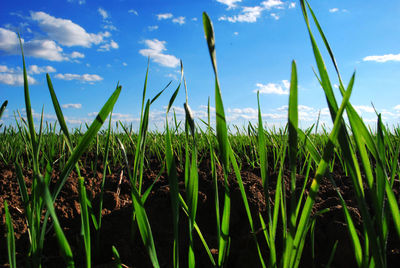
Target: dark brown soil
<point>117,212</point>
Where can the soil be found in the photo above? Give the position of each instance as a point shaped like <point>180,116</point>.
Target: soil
<point>117,212</point>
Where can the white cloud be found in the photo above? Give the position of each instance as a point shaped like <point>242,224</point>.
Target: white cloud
<point>125,64</point>
<point>235,33</point>
<point>179,20</point>
<point>397,107</point>
<point>194,19</point>
<point>66,32</point>
<point>152,28</point>
<point>76,55</point>
<point>107,47</point>
<point>333,10</point>
<point>248,14</point>
<point>34,69</point>
<point>364,109</point>
<point>272,88</point>
<point>269,4</point>
<point>383,58</point>
<point>72,105</point>
<point>80,2</point>
<point>103,13</point>
<point>13,77</point>
<point>90,78</point>
<point>44,49</point>
<point>155,51</point>
<point>229,3</point>
<point>164,16</point>
<point>8,41</point>
<point>132,11</point>
<point>252,14</point>
<point>275,16</point>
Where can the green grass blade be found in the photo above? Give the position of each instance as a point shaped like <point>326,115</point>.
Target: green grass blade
<point>62,240</point>
<point>28,103</point>
<point>3,108</point>
<point>322,167</point>
<point>86,139</point>
<point>85,220</point>
<point>10,237</point>
<point>173,182</point>
<point>117,259</point>
<point>59,113</point>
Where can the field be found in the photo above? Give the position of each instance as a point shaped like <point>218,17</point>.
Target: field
<point>202,193</point>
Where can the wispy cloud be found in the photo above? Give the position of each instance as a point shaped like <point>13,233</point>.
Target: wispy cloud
<point>272,88</point>
<point>108,46</point>
<point>164,16</point>
<point>152,28</point>
<point>383,58</point>
<point>80,2</point>
<point>364,109</point>
<point>333,10</point>
<point>103,13</point>
<point>89,78</point>
<point>179,20</point>
<point>155,50</point>
<point>134,12</point>
<point>252,14</point>
<point>72,105</point>
<point>229,3</point>
<point>169,16</point>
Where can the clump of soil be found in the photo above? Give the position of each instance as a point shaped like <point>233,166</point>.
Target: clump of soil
<point>117,229</point>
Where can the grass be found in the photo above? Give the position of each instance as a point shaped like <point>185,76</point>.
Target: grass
<point>369,159</point>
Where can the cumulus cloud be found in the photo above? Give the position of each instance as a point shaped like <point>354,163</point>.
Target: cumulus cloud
<point>248,14</point>
<point>34,69</point>
<point>72,105</point>
<point>76,55</point>
<point>108,46</point>
<point>155,50</point>
<point>179,20</point>
<point>89,78</point>
<point>397,107</point>
<point>269,4</point>
<point>383,58</point>
<point>13,77</point>
<point>272,88</point>
<point>229,3</point>
<point>44,49</point>
<point>164,16</point>
<point>66,32</point>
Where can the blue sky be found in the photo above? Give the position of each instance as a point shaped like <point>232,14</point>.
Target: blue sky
<point>88,46</point>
